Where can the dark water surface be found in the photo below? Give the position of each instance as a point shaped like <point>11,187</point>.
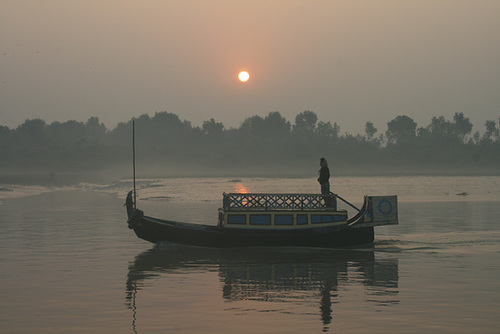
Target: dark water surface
<point>69,264</point>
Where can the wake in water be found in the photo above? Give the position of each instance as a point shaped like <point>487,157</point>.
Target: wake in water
<point>446,242</point>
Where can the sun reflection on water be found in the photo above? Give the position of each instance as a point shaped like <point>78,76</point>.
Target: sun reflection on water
<point>240,188</point>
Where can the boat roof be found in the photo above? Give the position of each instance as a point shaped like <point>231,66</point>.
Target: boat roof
<point>271,202</point>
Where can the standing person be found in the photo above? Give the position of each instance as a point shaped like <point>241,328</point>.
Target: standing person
<point>324,180</point>
<point>324,177</point>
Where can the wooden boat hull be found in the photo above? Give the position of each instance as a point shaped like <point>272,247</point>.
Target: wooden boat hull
<point>158,230</point>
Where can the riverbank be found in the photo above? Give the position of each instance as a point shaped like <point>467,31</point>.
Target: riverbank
<point>65,178</point>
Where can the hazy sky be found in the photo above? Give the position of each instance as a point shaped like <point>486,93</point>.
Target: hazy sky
<point>348,61</point>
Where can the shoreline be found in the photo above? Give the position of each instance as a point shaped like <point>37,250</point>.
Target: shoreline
<point>105,177</point>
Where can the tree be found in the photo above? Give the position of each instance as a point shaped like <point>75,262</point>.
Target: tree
<point>212,128</point>
<point>440,128</point>
<point>67,133</point>
<point>33,128</point>
<point>446,132</point>
<point>492,132</point>
<point>370,130</point>
<point>252,126</point>
<point>4,133</point>
<point>95,130</point>
<point>401,130</point>
<point>273,127</point>
<point>277,124</point>
<point>305,122</point>
<point>462,126</point>
<point>327,130</point>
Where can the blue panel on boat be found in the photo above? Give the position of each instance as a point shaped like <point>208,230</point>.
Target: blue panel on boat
<point>260,219</point>
<point>283,220</point>
<point>301,219</point>
<point>237,219</point>
<point>339,218</point>
<point>318,219</point>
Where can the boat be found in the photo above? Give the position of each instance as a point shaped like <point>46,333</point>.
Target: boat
<point>278,219</point>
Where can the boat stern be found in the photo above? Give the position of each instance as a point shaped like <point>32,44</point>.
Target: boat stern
<point>377,211</point>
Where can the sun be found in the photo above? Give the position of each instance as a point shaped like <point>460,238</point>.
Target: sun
<point>243,76</point>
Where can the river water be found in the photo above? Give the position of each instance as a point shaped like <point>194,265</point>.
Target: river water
<point>69,264</point>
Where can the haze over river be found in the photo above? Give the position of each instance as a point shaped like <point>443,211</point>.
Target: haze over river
<point>69,264</point>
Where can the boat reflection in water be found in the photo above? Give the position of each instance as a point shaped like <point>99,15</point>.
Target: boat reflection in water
<point>279,275</point>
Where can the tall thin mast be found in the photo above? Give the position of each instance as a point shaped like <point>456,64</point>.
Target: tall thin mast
<point>133,158</point>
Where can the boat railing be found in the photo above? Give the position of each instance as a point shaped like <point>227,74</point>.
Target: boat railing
<point>302,202</point>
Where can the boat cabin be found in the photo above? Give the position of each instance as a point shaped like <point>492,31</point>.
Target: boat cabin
<point>280,211</point>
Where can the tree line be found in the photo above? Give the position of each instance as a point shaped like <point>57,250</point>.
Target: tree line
<point>267,146</point>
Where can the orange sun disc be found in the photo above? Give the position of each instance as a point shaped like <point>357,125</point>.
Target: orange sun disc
<point>243,76</point>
